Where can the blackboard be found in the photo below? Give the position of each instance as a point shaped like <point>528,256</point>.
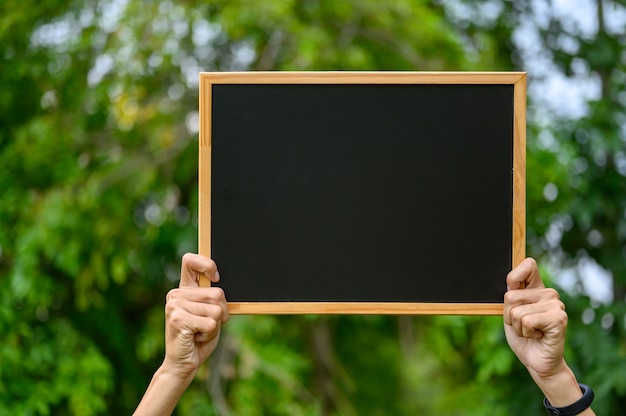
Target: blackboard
<point>377,192</point>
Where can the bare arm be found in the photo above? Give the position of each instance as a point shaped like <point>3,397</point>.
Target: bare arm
<point>535,324</point>
<point>194,316</point>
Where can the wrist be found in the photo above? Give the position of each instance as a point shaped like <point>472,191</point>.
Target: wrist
<point>580,407</point>
<point>163,393</point>
<point>183,374</point>
<point>561,387</point>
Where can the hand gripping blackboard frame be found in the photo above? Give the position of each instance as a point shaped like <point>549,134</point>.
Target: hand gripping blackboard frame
<point>463,115</point>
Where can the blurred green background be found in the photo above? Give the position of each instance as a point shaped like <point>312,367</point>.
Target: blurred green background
<point>98,201</point>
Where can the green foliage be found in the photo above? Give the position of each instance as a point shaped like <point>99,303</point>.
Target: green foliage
<point>98,172</point>
<point>583,158</point>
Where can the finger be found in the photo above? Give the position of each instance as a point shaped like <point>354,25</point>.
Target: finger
<point>197,294</point>
<point>538,296</point>
<point>196,309</point>
<point>187,320</point>
<point>202,337</point>
<point>551,324</point>
<point>199,328</point>
<point>535,320</point>
<point>193,265</point>
<point>514,298</point>
<point>525,275</point>
<point>199,300</point>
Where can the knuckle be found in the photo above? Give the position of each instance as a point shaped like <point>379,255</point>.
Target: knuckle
<point>171,295</point>
<point>187,257</point>
<point>175,317</point>
<point>523,320</point>
<point>211,266</point>
<point>552,293</point>
<point>512,297</point>
<point>212,325</point>
<point>562,318</point>
<point>219,313</point>
<point>172,305</point>
<point>530,262</point>
<point>516,316</point>
<point>214,311</point>
<point>557,305</point>
<point>218,293</point>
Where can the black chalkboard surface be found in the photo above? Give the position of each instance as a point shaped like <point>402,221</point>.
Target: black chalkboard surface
<point>362,192</point>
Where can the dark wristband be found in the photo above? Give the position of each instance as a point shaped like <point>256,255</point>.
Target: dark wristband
<point>573,409</point>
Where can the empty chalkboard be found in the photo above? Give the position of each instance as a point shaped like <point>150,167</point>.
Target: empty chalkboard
<point>375,192</point>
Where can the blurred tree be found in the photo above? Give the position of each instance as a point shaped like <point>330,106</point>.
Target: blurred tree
<point>574,54</point>
<point>581,221</point>
<point>98,156</point>
<point>94,203</point>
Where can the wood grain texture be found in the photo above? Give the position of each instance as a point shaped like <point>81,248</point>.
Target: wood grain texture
<point>204,173</point>
<point>519,172</point>
<point>364,77</point>
<point>517,79</point>
<point>364,308</point>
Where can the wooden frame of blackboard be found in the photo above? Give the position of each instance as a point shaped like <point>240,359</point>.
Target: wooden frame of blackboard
<point>516,80</point>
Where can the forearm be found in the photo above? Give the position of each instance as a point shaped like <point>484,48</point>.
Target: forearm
<point>561,388</point>
<point>163,393</point>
